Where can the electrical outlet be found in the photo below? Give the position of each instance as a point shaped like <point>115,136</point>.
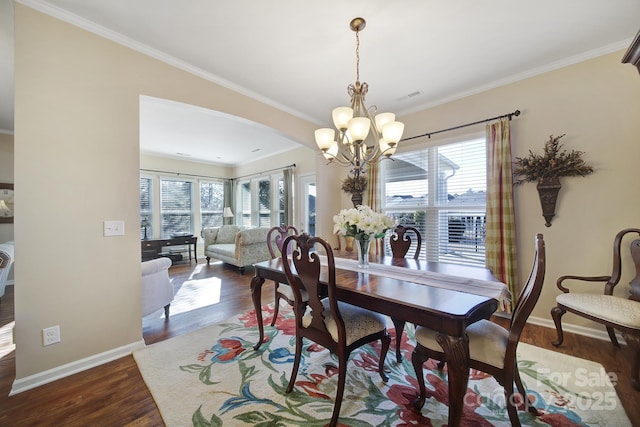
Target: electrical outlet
<point>51,335</point>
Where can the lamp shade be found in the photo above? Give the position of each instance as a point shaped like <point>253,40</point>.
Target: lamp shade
<point>324,138</point>
<point>227,213</point>
<point>331,152</point>
<point>359,128</point>
<point>341,117</point>
<point>383,118</point>
<point>392,132</point>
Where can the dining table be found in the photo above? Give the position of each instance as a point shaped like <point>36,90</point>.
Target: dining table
<point>407,290</point>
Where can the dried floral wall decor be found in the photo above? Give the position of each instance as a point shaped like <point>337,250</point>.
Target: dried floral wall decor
<point>355,185</point>
<point>546,169</point>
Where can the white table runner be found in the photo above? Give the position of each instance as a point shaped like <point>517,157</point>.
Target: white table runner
<point>491,289</point>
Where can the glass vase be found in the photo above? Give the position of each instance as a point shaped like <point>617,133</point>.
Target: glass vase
<point>363,252</point>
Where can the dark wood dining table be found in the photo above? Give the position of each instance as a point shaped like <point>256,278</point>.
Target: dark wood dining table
<point>447,311</point>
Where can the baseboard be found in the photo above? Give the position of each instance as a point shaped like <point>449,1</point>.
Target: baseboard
<point>600,334</point>
<point>41,378</point>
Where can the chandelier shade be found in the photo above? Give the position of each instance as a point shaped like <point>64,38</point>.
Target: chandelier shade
<point>356,123</point>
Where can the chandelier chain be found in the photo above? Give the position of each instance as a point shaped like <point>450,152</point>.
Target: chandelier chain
<point>357,56</point>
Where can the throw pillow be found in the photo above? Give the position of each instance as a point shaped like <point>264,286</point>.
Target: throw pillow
<point>227,234</point>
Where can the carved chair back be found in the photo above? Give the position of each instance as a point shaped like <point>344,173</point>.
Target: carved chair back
<point>400,241</point>
<point>276,236</point>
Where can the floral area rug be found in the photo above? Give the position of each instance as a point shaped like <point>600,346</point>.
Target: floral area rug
<point>213,377</point>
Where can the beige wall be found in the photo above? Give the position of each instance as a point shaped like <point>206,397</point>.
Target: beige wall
<point>6,176</point>
<point>77,164</point>
<point>596,103</point>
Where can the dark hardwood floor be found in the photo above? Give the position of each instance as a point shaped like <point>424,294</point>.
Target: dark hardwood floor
<point>114,394</point>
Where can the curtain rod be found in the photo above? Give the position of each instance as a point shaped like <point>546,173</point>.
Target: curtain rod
<point>292,165</point>
<point>185,174</point>
<point>428,134</point>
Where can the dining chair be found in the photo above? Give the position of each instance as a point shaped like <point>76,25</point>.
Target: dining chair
<point>275,239</point>
<point>614,312</point>
<point>335,325</point>
<point>492,348</point>
<point>400,241</point>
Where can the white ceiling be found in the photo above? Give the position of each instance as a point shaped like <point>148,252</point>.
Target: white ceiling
<point>300,56</point>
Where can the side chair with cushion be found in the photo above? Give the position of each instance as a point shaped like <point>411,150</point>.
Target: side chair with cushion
<point>492,348</point>
<point>275,239</point>
<point>333,324</point>
<point>616,313</point>
<point>400,242</point>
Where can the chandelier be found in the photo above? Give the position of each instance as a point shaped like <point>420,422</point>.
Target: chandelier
<point>355,123</point>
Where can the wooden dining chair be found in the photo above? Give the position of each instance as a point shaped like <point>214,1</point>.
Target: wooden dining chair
<point>614,312</point>
<point>400,241</point>
<point>335,325</point>
<point>275,240</point>
<point>492,348</point>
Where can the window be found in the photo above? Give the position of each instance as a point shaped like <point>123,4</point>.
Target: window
<point>146,207</point>
<point>245,203</point>
<point>211,203</point>
<point>261,201</point>
<point>441,191</point>
<point>280,211</point>
<point>264,203</point>
<point>176,212</point>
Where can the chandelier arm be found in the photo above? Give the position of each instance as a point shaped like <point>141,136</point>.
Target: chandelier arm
<point>339,161</point>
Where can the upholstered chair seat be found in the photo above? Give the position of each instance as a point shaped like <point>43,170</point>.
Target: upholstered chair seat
<point>359,322</point>
<point>487,342</point>
<point>623,312</point>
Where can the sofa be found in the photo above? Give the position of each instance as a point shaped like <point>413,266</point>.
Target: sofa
<point>6,262</point>
<point>157,290</point>
<point>236,245</point>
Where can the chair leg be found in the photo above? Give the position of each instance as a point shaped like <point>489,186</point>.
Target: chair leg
<point>557,313</point>
<point>166,311</point>
<point>633,341</point>
<point>208,259</point>
<point>399,325</point>
<point>511,407</point>
<point>417,360</point>
<point>296,364</point>
<point>276,305</point>
<point>612,336</point>
<point>386,342</point>
<point>528,404</point>
<point>342,376</point>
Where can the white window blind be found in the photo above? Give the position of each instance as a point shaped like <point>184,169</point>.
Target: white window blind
<point>176,207</point>
<point>146,206</point>
<point>264,203</point>
<point>245,202</point>
<point>211,203</point>
<point>441,191</point>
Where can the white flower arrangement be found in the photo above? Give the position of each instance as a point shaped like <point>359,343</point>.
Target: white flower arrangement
<point>361,223</point>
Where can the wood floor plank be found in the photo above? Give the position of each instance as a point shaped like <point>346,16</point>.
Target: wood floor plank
<point>114,394</point>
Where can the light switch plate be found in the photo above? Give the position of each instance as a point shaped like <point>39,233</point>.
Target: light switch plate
<point>113,228</point>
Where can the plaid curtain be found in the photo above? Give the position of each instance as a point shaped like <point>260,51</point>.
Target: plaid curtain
<point>373,197</point>
<point>501,229</point>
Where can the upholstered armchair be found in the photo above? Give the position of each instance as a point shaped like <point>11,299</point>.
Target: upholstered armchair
<point>6,262</point>
<point>157,290</point>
